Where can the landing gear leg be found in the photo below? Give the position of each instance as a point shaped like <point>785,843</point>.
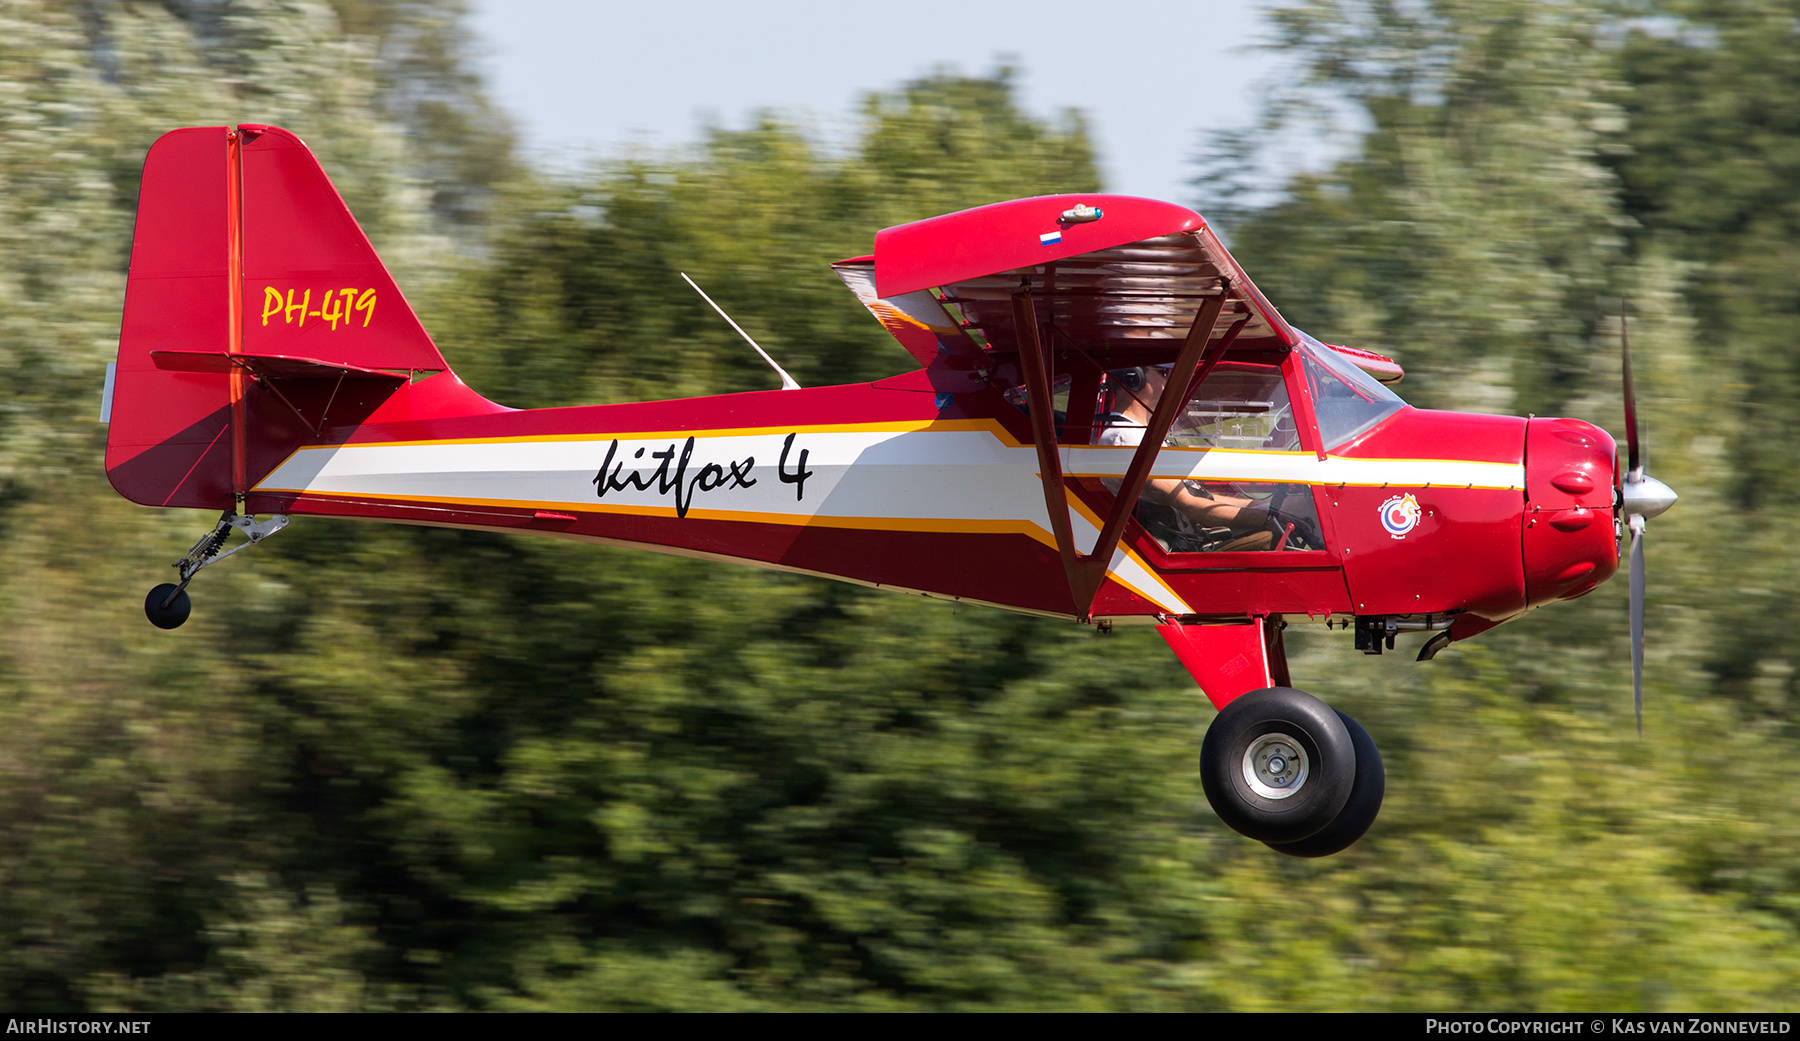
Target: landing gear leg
<point>168,605</point>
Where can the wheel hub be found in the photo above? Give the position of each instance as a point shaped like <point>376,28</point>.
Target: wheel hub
<point>1275,766</point>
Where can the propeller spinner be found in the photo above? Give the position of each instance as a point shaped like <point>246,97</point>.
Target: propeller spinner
<point>1641,497</point>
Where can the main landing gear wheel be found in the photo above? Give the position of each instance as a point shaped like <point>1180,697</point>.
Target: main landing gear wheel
<point>1278,765</point>
<point>167,606</point>
<point>1359,810</point>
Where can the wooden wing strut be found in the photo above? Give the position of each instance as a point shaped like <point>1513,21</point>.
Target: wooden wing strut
<point>1043,432</point>
<point>1086,572</point>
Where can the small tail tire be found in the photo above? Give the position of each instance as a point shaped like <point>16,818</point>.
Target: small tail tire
<point>167,606</point>
<point>1277,765</point>
<point>1359,811</point>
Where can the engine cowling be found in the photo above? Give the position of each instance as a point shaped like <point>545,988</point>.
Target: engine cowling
<point>1570,539</point>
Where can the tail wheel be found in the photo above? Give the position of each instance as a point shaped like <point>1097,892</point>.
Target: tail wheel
<point>167,606</point>
<point>1278,765</point>
<point>1359,810</point>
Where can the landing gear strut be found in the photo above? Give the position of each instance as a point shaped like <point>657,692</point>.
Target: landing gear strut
<point>168,605</point>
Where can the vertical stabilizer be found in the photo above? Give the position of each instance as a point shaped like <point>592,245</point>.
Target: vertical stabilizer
<point>244,251</point>
<point>313,286</point>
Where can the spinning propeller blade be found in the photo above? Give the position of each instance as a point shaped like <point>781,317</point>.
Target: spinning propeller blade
<point>1637,621</point>
<point>1640,498</point>
<point>1634,462</point>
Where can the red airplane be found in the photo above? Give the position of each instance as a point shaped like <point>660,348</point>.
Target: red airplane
<point>1108,424</point>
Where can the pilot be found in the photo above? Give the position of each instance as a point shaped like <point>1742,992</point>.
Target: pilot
<point>1143,387</point>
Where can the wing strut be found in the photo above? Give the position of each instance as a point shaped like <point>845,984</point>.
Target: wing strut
<point>1043,432</point>
<point>1192,365</point>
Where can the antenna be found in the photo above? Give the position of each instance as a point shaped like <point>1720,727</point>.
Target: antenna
<point>787,382</point>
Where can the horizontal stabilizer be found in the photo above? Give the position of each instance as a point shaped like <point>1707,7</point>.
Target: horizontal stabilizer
<point>268,366</point>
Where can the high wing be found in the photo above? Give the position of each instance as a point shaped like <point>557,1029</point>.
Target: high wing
<point>1118,278</point>
<point>1075,285</point>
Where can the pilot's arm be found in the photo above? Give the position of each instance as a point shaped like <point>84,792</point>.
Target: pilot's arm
<point>1208,511</point>
<point>1212,512</point>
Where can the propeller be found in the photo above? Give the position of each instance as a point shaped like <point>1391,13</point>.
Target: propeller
<point>1641,497</point>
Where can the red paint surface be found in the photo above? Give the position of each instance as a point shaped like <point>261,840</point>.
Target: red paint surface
<point>1464,553</point>
<point>299,236</point>
<point>1228,661</point>
<point>442,408</point>
<point>1003,236</point>
<point>1417,433</point>
<point>175,299</point>
<point>1569,464</point>
<point>1261,586</point>
<point>1569,542</point>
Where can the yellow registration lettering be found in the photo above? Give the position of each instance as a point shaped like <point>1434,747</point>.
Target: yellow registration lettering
<point>300,307</point>
<point>337,305</point>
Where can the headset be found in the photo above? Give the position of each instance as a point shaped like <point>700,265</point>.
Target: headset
<point>1135,378</point>
<point>1132,379</point>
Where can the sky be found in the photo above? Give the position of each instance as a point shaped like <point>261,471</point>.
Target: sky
<point>589,79</point>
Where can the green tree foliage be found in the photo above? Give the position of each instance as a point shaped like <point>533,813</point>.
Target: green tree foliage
<point>1520,169</point>
<point>581,300</point>
<point>457,144</point>
<point>1711,171</point>
<point>1710,176</point>
<point>1474,227</point>
<point>417,768</point>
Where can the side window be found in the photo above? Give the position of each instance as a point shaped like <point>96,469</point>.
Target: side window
<point>1018,398</point>
<point>1238,408</point>
<point>1208,492</point>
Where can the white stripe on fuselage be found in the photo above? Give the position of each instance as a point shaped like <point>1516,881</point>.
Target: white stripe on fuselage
<point>1224,464</point>
<point>910,475</point>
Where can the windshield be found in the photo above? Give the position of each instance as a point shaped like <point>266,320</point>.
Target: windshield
<point>1346,400</point>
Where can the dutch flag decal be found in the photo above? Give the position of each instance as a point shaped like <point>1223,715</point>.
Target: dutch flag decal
<point>1050,238</point>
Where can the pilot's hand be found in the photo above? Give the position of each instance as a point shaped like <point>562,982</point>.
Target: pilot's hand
<point>1306,533</point>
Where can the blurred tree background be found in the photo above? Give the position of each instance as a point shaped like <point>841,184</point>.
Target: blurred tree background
<point>391,768</point>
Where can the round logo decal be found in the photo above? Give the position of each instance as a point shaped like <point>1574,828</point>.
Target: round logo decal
<point>1400,515</point>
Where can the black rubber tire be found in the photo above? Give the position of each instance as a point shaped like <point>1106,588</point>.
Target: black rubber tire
<point>169,617</point>
<point>1359,811</point>
<point>1331,765</point>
